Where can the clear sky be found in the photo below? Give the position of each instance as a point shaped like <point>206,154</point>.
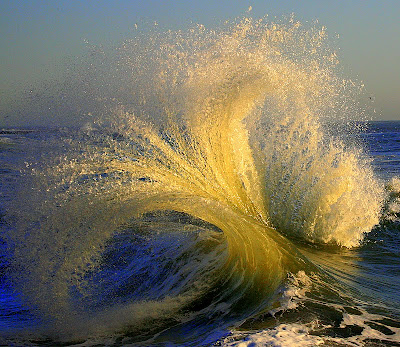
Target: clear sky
<point>36,36</point>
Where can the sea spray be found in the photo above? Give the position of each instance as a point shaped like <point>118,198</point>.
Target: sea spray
<point>318,189</point>
<point>226,126</point>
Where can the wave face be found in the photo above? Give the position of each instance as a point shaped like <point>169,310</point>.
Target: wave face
<point>170,214</point>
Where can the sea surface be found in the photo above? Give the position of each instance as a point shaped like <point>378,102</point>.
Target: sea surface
<point>222,193</point>
<point>335,296</point>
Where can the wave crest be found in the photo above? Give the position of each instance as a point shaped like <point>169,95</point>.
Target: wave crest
<point>225,126</point>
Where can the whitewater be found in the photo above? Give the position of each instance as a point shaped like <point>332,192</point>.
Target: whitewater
<point>219,190</point>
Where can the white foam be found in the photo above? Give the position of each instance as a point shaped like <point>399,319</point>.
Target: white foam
<point>6,140</point>
<point>296,334</point>
<point>293,292</point>
<point>365,320</point>
<point>282,336</point>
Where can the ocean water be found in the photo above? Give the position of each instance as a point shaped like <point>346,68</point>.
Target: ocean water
<point>224,191</point>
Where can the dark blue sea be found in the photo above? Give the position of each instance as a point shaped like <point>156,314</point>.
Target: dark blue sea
<point>166,277</point>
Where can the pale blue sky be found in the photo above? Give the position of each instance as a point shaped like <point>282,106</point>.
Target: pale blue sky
<point>36,36</point>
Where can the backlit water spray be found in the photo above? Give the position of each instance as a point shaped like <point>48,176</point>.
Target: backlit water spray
<point>205,150</point>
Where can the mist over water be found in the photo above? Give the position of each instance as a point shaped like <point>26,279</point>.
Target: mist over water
<point>170,214</point>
